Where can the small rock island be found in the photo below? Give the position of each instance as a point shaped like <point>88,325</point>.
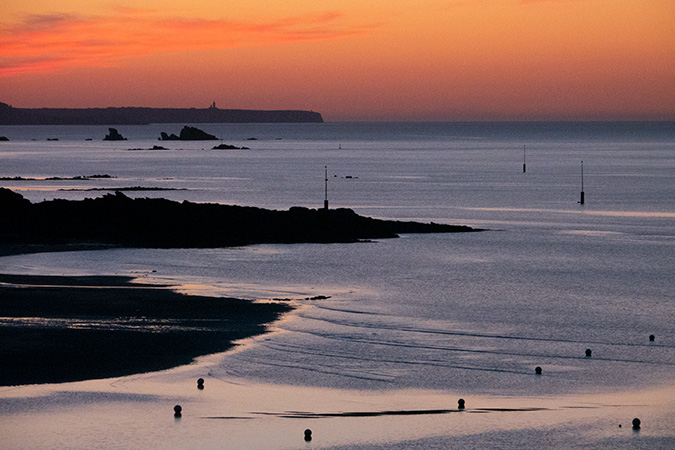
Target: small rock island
<point>228,147</point>
<point>114,135</point>
<point>188,134</point>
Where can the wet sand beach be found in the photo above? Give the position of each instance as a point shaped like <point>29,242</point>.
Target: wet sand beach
<point>117,336</point>
<point>138,412</point>
<point>69,328</point>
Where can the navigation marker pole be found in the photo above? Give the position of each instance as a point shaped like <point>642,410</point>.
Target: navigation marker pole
<point>325,202</point>
<point>524,165</point>
<point>582,183</point>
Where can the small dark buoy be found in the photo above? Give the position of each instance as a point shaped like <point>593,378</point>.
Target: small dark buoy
<point>588,353</point>
<point>619,425</point>
<point>651,337</point>
<point>460,403</point>
<point>308,435</point>
<point>636,424</point>
<point>200,383</point>
<point>537,370</point>
<point>177,411</point>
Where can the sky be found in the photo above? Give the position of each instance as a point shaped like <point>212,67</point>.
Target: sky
<point>351,60</point>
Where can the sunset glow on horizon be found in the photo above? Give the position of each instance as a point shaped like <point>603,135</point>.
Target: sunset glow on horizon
<point>350,60</point>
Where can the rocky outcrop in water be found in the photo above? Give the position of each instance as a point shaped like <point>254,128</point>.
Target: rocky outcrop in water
<point>228,147</point>
<point>114,135</point>
<point>188,134</point>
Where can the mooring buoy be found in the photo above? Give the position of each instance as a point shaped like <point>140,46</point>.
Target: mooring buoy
<point>636,424</point>
<point>537,370</point>
<point>308,434</point>
<point>460,403</point>
<point>177,411</point>
<point>588,353</point>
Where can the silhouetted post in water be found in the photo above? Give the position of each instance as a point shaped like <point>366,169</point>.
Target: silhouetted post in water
<point>325,202</point>
<point>524,165</point>
<point>582,183</point>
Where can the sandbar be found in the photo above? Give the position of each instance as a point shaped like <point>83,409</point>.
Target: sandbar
<point>56,329</point>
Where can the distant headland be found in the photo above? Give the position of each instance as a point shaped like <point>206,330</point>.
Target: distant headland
<point>10,115</point>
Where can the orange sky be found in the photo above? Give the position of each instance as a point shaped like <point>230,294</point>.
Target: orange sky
<point>348,59</point>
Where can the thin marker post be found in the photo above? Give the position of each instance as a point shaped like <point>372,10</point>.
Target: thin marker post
<point>325,201</point>
<point>524,163</point>
<point>582,183</point>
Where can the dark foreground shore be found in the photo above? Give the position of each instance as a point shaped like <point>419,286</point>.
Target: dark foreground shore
<point>61,329</point>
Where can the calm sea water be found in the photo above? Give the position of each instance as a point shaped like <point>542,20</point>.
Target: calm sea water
<point>473,312</point>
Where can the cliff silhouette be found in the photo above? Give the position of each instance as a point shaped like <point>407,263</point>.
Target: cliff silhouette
<point>143,116</point>
<point>117,220</point>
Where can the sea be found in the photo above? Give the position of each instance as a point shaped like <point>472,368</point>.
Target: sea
<point>549,278</point>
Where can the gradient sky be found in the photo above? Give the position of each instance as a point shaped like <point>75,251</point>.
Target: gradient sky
<point>348,59</point>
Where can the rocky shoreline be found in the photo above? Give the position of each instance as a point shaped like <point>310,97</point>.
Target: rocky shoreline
<point>61,329</point>
<point>119,221</point>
